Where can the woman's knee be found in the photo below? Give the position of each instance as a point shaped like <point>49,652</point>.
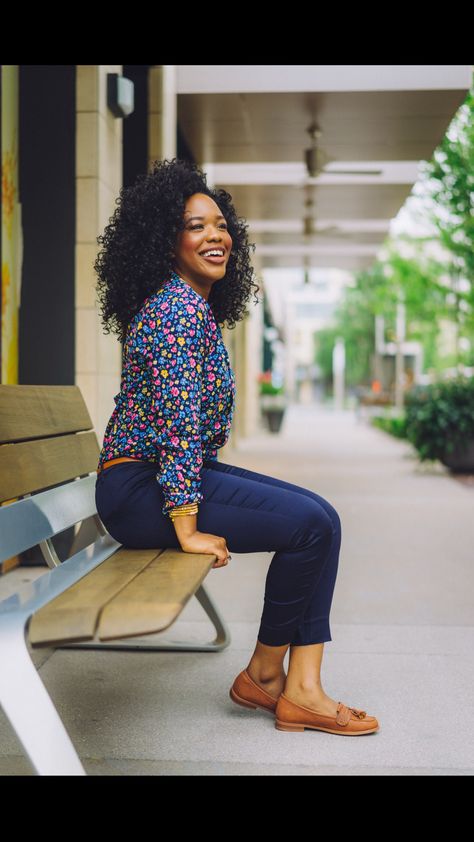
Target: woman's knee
<point>335,519</point>
<point>332,514</point>
<point>315,524</point>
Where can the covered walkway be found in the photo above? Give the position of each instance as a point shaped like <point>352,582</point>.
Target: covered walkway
<point>401,622</point>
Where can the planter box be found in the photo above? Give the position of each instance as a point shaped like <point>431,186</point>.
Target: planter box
<point>274,419</point>
<point>461,460</point>
<point>273,402</point>
<point>273,409</point>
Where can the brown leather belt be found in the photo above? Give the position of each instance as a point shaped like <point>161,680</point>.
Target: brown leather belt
<point>118,459</point>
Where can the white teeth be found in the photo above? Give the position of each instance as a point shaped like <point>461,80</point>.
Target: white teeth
<point>215,252</point>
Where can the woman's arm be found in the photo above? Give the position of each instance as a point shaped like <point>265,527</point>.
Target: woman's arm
<point>185,526</point>
<point>173,339</point>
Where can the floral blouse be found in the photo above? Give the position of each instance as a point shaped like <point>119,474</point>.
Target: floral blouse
<point>177,391</point>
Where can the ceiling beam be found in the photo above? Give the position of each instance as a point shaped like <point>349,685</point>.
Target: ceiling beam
<point>250,78</point>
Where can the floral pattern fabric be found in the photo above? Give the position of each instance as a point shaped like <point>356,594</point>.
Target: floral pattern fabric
<point>177,391</point>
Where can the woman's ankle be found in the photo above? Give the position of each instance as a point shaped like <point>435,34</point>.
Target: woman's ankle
<point>299,687</point>
<point>265,674</point>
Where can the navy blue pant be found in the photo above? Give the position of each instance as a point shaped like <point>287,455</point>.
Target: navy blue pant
<point>254,513</point>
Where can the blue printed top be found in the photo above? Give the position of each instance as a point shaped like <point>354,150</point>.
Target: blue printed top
<point>177,391</point>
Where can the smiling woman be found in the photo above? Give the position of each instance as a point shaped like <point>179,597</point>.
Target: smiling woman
<point>175,265</point>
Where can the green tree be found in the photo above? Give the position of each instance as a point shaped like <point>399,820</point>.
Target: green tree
<point>419,281</point>
<point>435,283</point>
<point>376,292</point>
<point>354,321</point>
<point>446,190</point>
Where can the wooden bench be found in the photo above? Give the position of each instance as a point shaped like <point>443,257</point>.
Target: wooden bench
<point>101,593</point>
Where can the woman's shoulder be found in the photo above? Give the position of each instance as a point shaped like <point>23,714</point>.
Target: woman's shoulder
<point>175,302</point>
<point>182,306</point>
<point>175,295</point>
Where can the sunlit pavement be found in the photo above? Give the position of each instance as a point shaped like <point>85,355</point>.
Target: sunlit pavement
<point>401,625</point>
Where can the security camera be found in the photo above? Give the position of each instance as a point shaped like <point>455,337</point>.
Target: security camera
<point>120,95</point>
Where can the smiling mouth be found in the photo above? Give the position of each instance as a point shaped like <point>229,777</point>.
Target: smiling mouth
<point>213,258</point>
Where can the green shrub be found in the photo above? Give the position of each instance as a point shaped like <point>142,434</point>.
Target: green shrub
<point>269,389</point>
<point>440,416</point>
<point>395,425</point>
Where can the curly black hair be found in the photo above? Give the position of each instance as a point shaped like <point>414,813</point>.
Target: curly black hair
<point>140,239</point>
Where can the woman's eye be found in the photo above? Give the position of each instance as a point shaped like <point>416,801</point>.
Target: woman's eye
<point>193,227</point>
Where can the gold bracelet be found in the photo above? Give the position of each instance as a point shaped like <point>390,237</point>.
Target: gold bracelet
<point>175,517</point>
<point>184,514</point>
<point>182,511</point>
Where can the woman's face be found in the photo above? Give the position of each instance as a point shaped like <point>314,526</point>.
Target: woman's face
<point>208,232</point>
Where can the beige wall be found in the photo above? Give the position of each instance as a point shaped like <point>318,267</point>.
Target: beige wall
<point>99,180</point>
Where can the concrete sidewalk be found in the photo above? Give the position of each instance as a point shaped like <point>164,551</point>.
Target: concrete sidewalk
<point>401,622</point>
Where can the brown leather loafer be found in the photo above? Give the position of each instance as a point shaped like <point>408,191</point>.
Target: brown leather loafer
<point>348,721</point>
<point>245,692</point>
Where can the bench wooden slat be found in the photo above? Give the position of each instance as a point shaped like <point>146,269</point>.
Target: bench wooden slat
<point>154,599</point>
<point>74,615</point>
<point>35,465</point>
<point>31,412</point>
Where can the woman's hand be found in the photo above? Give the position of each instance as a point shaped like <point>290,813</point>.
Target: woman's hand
<point>203,542</point>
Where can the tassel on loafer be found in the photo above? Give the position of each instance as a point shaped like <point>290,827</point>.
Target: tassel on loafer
<point>247,693</point>
<point>348,721</point>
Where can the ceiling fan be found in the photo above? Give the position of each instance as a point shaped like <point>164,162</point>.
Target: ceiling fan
<point>310,229</point>
<point>307,282</point>
<point>316,159</point>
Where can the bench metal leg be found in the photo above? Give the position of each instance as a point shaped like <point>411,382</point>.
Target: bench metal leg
<point>29,708</point>
<point>221,641</point>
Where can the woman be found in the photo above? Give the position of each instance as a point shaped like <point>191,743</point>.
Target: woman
<point>174,267</point>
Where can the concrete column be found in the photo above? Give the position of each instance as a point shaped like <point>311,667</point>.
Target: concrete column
<point>289,329</point>
<point>98,183</point>
<point>338,370</point>
<point>244,343</point>
<point>163,112</point>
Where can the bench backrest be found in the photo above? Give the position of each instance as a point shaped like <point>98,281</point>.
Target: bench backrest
<point>48,451</point>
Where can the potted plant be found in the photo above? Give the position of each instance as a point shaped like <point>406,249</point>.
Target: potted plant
<point>272,402</point>
<point>440,422</point>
